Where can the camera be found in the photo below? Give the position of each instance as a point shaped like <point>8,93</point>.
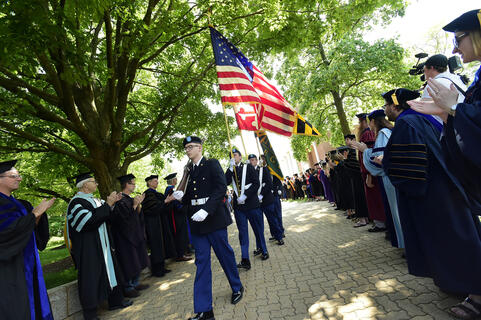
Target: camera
<point>454,64</point>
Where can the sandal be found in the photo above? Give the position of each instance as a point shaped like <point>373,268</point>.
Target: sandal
<point>470,313</point>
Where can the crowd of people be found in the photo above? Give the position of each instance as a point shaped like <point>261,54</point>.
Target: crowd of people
<point>417,180</point>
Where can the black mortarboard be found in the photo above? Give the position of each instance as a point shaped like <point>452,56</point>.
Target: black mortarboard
<point>252,156</point>
<point>171,176</point>
<point>438,60</point>
<point>192,139</point>
<point>350,136</point>
<point>82,176</point>
<point>361,115</point>
<point>400,96</point>
<point>377,114</point>
<point>153,176</point>
<point>7,165</point>
<point>470,20</point>
<point>126,178</point>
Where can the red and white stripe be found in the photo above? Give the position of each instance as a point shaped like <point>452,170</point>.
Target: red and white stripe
<point>235,86</point>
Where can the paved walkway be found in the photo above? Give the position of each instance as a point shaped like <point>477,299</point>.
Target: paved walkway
<point>326,270</point>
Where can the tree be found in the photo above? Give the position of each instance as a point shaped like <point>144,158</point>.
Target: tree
<point>96,85</point>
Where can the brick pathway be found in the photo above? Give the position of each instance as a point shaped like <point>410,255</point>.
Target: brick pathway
<point>326,270</point>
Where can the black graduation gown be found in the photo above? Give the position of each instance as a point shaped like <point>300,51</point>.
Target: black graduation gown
<point>357,184</point>
<point>15,235</point>
<point>129,237</point>
<point>346,196</point>
<point>440,235</point>
<point>87,253</point>
<point>159,237</point>
<point>177,214</point>
<point>461,144</point>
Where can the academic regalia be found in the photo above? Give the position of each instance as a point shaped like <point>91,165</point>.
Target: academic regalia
<point>178,222</point>
<point>440,234</point>
<point>353,169</point>
<point>373,195</point>
<point>206,189</point>
<point>24,295</point>
<point>461,144</point>
<point>161,245</point>
<point>345,190</point>
<point>250,210</point>
<point>392,216</point>
<point>42,231</point>
<point>326,184</point>
<point>92,252</point>
<point>128,234</point>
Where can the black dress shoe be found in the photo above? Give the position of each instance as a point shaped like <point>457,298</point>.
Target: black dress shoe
<point>209,315</point>
<point>265,256</point>
<point>280,242</point>
<point>257,252</point>
<point>131,293</point>
<point>123,304</point>
<point>244,264</point>
<point>158,274</point>
<point>272,239</point>
<point>167,270</point>
<point>141,286</point>
<point>237,296</point>
<point>376,229</point>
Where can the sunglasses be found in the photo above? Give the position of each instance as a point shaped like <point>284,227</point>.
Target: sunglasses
<point>457,39</point>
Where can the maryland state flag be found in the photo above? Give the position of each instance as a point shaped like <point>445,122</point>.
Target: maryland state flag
<point>271,158</point>
<point>303,127</point>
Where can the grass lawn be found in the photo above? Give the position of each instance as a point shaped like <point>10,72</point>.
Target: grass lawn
<point>57,270</point>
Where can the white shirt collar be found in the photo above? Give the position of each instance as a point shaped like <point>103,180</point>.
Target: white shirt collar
<point>198,162</point>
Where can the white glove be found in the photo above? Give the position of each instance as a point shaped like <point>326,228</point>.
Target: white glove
<point>279,192</point>
<point>241,199</point>
<point>178,194</point>
<point>260,197</point>
<point>200,215</point>
<point>231,164</point>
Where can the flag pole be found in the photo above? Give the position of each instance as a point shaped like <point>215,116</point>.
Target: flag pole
<point>240,133</point>
<point>256,136</point>
<point>230,147</point>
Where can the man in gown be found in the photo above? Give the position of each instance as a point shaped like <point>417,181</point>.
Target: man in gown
<point>24,295</point>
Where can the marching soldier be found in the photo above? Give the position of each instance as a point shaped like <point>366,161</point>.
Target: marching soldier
<point>206,209</point>
<point>246,207</point>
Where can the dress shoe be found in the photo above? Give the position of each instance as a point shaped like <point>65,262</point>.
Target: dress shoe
<point>257,252</point>
<point>265,256</point>
<point>376,229</point>
<point>123,304</point>
<point>166,271</point>
<point>209,315</point>
<point>280,242</point>
<point>131,293</point>
<point>237,296</point>
<point>141,286</point>
<point>244,264</point>
<point>158,274</point>
<point>272,239</point>
<point>183,258</point>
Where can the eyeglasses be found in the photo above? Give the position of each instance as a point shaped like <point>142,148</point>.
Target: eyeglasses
<point>192,146</point>
<point>457,39</point>
<point>13,176</point>
<point>93,181</point>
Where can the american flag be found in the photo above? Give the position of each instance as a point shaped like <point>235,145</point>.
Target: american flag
<point>242,83</point>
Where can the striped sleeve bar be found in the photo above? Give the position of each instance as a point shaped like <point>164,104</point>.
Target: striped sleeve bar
<point>409,161</point>
<point>78,217</point>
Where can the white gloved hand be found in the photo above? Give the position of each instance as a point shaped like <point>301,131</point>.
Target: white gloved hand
<point>231,164</point>
<point>200,215</point>
<point>260,197</point>
<point>178,194</point>
<point>241,199</point>
<point>279,192</point>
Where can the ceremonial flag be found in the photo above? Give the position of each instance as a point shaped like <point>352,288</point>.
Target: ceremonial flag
<point>271,158</point>
<point>303,127</point>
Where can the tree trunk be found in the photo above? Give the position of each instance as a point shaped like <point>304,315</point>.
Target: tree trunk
<point>340,112</point>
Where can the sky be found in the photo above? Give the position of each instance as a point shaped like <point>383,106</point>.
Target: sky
<point>421,18</point>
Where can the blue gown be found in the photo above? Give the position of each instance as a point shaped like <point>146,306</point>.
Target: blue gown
<point>440,235</point>
<point>377,170</point>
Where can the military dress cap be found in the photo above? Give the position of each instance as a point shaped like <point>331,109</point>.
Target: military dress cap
<point>362,115</point>
<point>438,60</point>
<point>171,176</point>
<point>400,96</point>
<point>377,114</point>
<point>192,139</point>
<point>252,156</point>
<point>349,136</point>
<point>7,165</point>
<point>152,176</point>
<point>234,150</point>
<point>470,20</point>
<point>126,178</point>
